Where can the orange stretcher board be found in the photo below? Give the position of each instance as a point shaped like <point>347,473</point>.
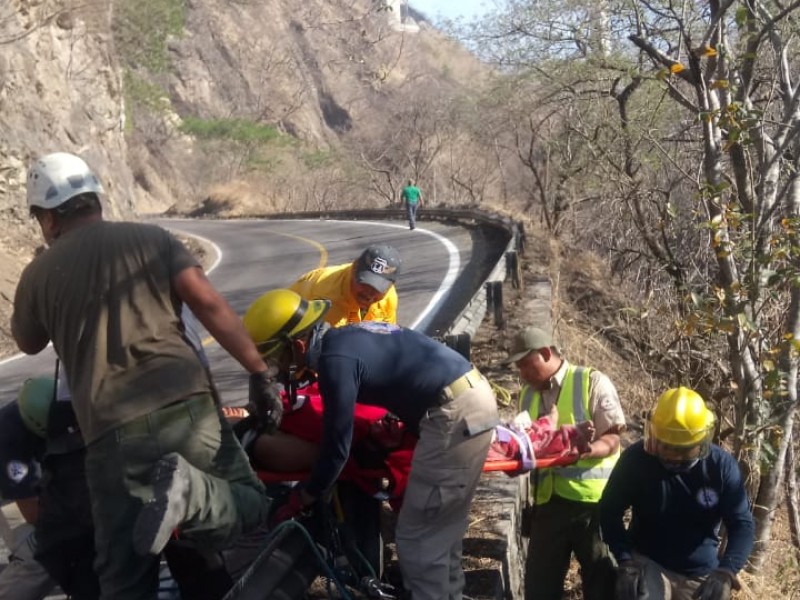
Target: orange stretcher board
<point>508,466</point>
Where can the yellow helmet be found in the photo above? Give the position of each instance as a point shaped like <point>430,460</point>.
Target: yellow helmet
<point>279,316</point>
<point>681,420</point>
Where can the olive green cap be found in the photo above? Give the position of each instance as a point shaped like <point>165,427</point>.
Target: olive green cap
<point>528,340</point>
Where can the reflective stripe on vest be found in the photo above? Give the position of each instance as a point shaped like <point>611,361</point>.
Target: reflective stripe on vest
<point>584,480</point>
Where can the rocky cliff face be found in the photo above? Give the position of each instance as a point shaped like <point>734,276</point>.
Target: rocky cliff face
<point>59,89</point>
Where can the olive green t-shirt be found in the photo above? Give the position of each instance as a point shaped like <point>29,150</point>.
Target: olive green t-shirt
<point>103,294</point>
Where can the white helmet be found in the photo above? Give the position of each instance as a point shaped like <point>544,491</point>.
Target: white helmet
<point>57,177</point>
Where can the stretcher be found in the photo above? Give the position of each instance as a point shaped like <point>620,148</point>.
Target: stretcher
<point>490,466</point>
<point>391,443</point>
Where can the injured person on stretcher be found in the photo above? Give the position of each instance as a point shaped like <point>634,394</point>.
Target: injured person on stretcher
<point>527,440</point>
<point>384,446</point>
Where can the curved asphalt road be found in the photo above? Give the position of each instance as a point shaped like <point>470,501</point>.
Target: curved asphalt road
<point>255,256</point>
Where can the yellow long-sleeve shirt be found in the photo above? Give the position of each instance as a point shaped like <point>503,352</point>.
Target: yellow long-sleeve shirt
<point>333,283</point>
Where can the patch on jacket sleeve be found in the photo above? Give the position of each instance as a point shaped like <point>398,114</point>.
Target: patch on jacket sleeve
<point>16,470</point>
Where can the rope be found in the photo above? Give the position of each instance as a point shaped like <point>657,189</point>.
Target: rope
<point>367,564</point>
<point>502,394</point>
<point>331,575</point>
<point>328,569</point>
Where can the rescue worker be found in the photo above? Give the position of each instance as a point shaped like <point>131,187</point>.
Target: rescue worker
<point>430,387</point>
<point>362,290</point>
<point>43,454</point>
<point>49,444</point>
<point>680,487</point>
<point>24,578</point>
<point>564,518</point>
<point>141,396</point>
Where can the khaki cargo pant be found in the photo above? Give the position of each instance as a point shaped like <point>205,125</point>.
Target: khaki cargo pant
<point>226,496</point>
<point>448,460</point>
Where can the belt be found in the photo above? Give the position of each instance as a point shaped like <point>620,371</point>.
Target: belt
<point>462,384</point>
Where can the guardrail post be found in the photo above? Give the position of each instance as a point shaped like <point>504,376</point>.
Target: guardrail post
<point>497,297</point>
<point>512,269</point>
<point>519,238</point>
<point>461,343</point>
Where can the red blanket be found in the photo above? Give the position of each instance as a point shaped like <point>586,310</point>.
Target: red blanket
<point>382,446</point>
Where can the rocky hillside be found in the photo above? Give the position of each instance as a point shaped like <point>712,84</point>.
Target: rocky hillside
<point>59,89</point>
<point>224,106</point>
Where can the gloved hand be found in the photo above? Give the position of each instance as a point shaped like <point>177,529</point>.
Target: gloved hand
<point>265,399</point>
<point>292,508</point>
<point>522,421</point>
<point>630,583</point>
<point>717,586</point>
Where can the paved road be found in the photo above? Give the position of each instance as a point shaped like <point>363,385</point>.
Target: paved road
<point>258,255</point>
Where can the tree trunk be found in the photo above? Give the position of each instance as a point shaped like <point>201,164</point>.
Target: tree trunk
<point>792,497</point>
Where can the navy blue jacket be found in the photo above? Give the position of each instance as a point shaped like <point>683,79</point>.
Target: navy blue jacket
<point>675,518</point>
<point>379,364</point>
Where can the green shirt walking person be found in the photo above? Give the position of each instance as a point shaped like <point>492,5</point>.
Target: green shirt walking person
<point>411,196</point>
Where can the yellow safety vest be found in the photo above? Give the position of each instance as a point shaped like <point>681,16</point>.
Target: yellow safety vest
<point>584,480</point>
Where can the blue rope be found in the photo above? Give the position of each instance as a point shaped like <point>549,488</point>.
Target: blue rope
<point>328,569</point>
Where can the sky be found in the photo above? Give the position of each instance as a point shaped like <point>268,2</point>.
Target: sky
<point>451,9</point>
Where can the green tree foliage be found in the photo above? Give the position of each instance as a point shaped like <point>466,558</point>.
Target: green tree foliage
<point>236,130</point>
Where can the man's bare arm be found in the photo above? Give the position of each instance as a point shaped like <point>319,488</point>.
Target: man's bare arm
<point>214,312</point>
<point>606,445</point>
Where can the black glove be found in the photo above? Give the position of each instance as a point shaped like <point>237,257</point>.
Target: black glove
<point>630,583</point>
<point>717,586</point>
<point>266,401</point>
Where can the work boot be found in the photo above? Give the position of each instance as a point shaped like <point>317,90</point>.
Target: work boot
<point>160,516</point>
